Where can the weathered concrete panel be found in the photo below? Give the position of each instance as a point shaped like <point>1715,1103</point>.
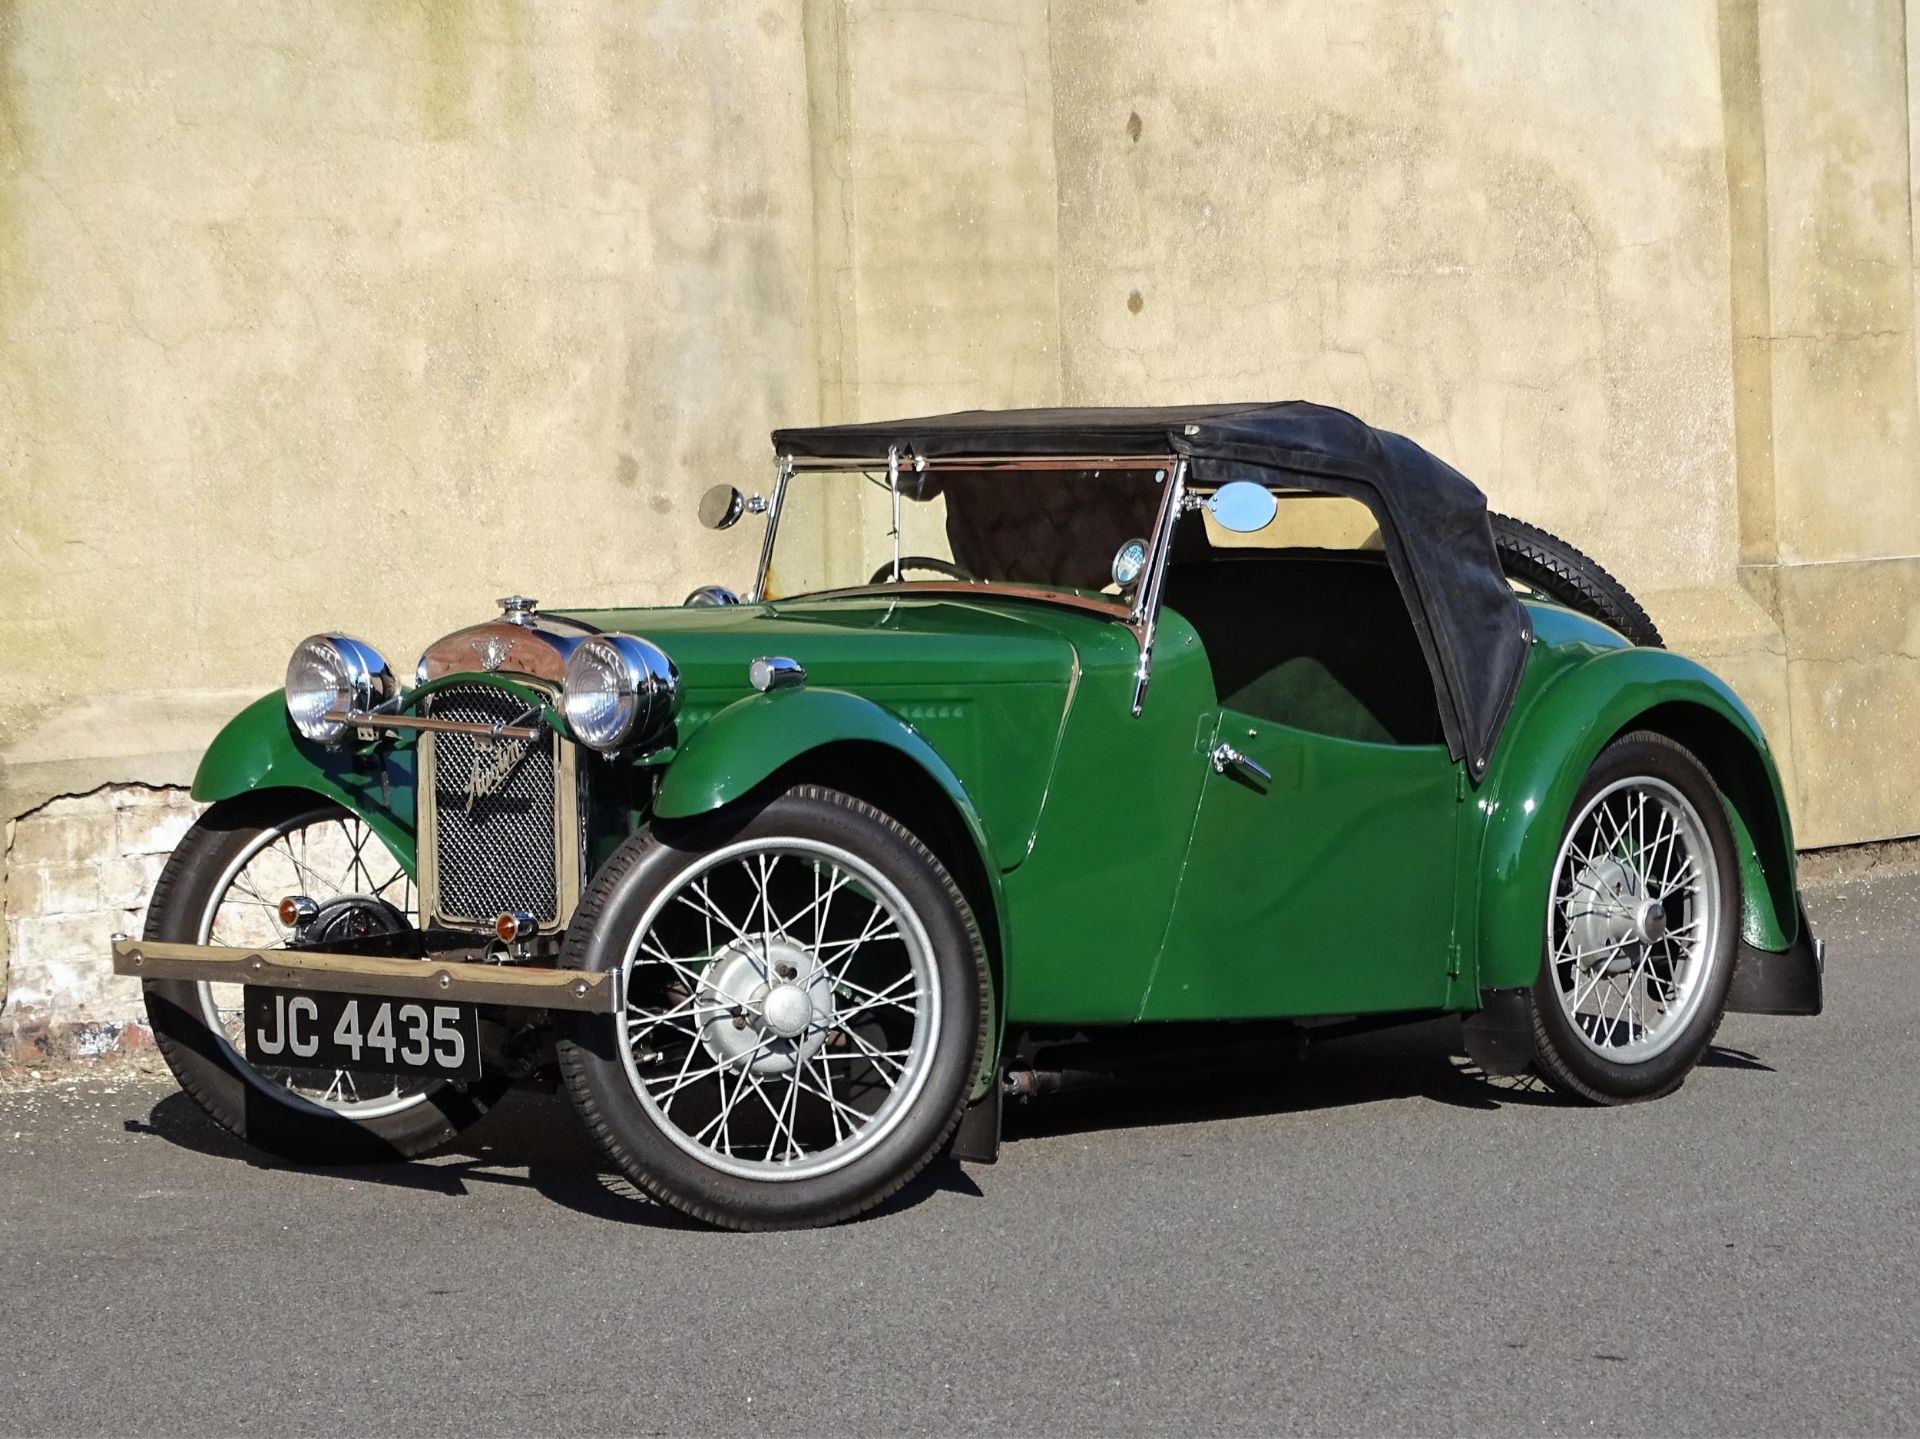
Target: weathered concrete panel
<point>1499,228</point>
<point>948,157</point>
<point>1833,81</point>
<point>1854,683</point>
<point>362,320</point>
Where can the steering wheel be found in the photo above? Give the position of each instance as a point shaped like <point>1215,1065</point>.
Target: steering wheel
<point>923,562</point>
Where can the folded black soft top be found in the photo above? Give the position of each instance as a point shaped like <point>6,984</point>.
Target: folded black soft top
<point>1433,520</point>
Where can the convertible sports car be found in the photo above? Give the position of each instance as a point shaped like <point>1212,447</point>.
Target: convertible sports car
<point>1041,739</point>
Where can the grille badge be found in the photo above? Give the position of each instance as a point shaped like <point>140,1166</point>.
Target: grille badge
<point>494,761</point>
<point>493,652</point>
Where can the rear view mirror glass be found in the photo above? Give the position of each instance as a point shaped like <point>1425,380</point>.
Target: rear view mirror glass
<point>1242,507</point>
<point>721,507</point>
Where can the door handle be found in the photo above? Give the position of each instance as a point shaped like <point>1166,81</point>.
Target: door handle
<point>1226,757</point>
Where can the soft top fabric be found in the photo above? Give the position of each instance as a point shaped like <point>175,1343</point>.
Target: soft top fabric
<point>1433,520</point>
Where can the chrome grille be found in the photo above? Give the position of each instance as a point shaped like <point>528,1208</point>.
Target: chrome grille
<point>496,817</point>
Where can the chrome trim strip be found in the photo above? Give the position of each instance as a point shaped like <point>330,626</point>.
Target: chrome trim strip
<point>465,981</point>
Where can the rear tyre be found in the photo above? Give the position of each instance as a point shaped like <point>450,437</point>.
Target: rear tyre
<point>220,886</point>
<point>805,991</point>
<point>1550,566</point>
<point>1642,919</point>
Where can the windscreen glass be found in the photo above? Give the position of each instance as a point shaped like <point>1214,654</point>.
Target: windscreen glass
<point>1028,528</point>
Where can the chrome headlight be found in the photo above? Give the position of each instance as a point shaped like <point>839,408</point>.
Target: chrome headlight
<point>619,691</point>
<point>334,672</point>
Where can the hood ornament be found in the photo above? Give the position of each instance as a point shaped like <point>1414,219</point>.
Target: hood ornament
<point>518,609</point>
<point>493,651</point>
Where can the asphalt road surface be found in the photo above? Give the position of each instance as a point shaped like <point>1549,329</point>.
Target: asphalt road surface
<point>1377,1243</point>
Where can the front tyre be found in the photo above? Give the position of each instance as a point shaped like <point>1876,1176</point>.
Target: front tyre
<point>805,992</point>
<point>1642,919</point>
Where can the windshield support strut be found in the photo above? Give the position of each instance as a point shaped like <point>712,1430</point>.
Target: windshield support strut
<point>1146,617</point>
<point>893,490</point>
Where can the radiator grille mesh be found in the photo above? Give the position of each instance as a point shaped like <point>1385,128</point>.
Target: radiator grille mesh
<point>493,810</point>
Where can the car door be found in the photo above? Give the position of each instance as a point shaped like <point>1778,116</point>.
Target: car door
<point>1324,887</point>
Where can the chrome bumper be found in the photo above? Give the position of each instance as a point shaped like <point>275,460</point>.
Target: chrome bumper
<point>510,985</point>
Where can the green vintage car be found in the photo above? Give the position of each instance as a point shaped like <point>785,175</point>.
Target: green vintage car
<point>1039,740</point>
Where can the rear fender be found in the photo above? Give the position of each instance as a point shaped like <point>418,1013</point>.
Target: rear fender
<point>259,750</point>
<point>1546,754</point>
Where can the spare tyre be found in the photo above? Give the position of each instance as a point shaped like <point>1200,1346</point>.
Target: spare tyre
<point>1551,567</point>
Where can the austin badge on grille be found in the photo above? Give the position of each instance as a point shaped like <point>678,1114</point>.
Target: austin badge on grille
<point>494,761</point>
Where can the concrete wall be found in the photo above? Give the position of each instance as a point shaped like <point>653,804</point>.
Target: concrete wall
<point>361,320</point>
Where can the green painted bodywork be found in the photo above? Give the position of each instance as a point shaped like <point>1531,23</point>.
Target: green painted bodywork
<point>1583,686</point>
<point>1127,879</point>
<point>259,750</point>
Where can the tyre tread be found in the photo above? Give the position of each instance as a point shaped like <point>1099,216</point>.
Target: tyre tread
<point>1548,1063</point>
<point>1567,575</point>
<point>572,1065</point>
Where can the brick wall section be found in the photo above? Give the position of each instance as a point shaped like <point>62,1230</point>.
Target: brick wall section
<point>78,870</point>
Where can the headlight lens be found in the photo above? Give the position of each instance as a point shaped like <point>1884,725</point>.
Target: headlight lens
<point>329,672</point>
<point>619,691</point>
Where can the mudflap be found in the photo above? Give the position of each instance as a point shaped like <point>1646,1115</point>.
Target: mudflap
<point>1789,981</point>
<point>1499,1034</point>
<point>977,1138</point>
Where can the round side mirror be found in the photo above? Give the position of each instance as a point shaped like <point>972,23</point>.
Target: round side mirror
<point>711,595</point>
<point>1128,561</point>
<point>721,507</point>
<point>1242,507</point>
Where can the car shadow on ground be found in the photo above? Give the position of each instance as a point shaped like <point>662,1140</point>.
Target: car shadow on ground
<point>1410,1061</point>
<point>529,1130</point>
<point>533,1139</point>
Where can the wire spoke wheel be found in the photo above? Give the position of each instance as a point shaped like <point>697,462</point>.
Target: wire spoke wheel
<point>333,858</point>
<point>781,1008</point>
<point>1635,920</point>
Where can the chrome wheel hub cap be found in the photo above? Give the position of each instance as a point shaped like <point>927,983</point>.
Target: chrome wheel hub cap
<point>787,1010</point>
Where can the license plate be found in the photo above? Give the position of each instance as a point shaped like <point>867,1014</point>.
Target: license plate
<point>302,1029</point>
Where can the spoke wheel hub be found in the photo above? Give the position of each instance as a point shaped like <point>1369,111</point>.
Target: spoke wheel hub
<point>781,1003</point>
<point>1605,895</point>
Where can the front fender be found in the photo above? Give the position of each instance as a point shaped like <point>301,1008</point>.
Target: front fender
<point>750,739</point>
<point>754,738</point>
<point>1550,744</point>
<point>259,750</point>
